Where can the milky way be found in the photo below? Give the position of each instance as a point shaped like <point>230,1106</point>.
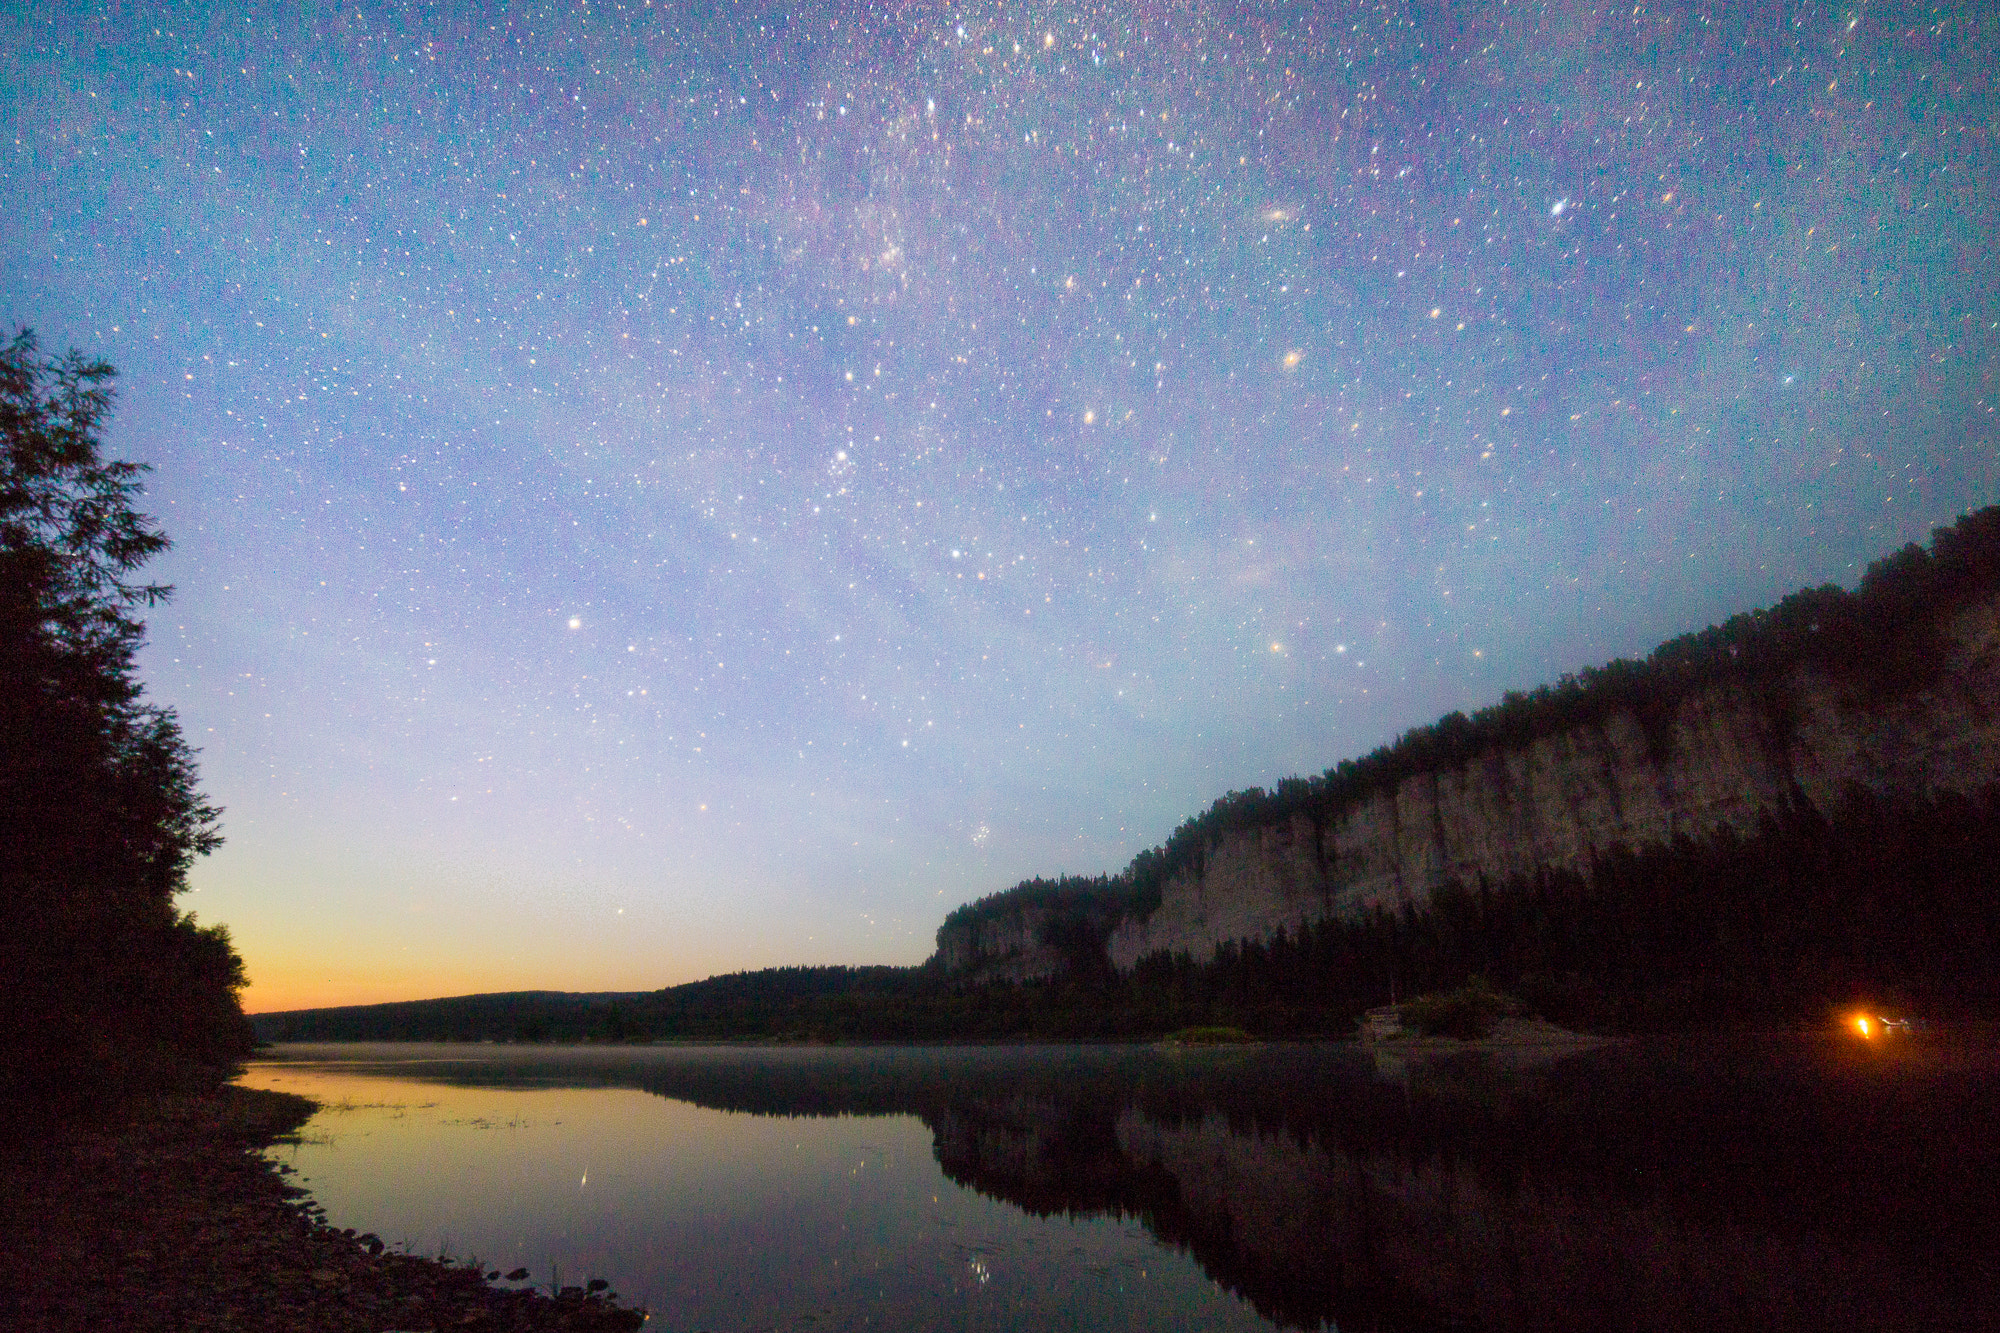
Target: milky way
<point>659,491</point>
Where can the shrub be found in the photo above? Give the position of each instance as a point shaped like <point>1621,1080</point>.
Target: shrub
<point>1468,1012</point>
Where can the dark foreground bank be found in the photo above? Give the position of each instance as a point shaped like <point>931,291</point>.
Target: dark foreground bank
<point>170,1221</point>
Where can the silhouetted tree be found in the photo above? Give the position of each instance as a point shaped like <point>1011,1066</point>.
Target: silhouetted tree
<point>106,983</point>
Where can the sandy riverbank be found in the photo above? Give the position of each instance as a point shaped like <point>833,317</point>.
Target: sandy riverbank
<point>173,1222</point>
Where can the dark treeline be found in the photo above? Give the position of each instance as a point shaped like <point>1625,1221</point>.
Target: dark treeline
<point>787,1004</point>
<point>502,1015</point>
<point>1886,902</point>
<point>1884,637</point>
<point>1889,902</point>
<point>1083,896</point>
<point>108,987</point>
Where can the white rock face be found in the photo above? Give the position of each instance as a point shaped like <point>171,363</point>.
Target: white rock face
<point>1727,759</point>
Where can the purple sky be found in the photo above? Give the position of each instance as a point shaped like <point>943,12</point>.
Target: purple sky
<point>656,495</point>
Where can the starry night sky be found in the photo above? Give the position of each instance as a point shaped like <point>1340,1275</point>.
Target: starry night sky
<point>661,490</point>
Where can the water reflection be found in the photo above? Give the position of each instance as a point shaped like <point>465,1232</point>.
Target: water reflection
<point>1774,1184</point>
<point>714,1218</point>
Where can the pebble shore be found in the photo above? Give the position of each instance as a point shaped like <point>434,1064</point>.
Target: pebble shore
<point>171,1221</point>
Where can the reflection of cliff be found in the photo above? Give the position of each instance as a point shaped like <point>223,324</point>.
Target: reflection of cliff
<point>1310,1234</point>
<point>1043,1155</point>
<point>1437,1240</point>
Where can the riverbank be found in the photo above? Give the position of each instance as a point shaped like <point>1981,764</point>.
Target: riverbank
<point>171,1221</point>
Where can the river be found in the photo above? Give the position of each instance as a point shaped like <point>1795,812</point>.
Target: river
<point>1770,1183</point>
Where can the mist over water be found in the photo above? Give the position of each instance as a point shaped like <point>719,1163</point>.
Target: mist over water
<point>1766,1183</point>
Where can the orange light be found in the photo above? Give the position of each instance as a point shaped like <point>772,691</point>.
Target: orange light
<point>1862,1023</point>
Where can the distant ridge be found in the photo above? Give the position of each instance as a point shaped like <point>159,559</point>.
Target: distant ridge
<point>775,1003</point>
<point>456,1017</point>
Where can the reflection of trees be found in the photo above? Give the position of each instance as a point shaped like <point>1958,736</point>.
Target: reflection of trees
<point>1449,1219</point>
<point>1311,1232</point>
<point>1665,1187</point>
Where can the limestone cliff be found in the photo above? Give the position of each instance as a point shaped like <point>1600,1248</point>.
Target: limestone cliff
<point>1032,930</point>
<point>1724,758</point>
<point>1008,945</point>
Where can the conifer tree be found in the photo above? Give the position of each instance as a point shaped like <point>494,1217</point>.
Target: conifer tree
<point>107,984</point>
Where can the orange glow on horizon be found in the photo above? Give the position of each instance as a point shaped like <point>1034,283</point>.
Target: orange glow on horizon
<point>337,970</point>
<point>276,989</point>
<point>317,990</point>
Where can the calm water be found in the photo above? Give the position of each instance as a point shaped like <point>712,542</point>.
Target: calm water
<point>1784,1183</point>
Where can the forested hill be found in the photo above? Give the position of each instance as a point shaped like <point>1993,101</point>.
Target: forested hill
<point>528,1014</point>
